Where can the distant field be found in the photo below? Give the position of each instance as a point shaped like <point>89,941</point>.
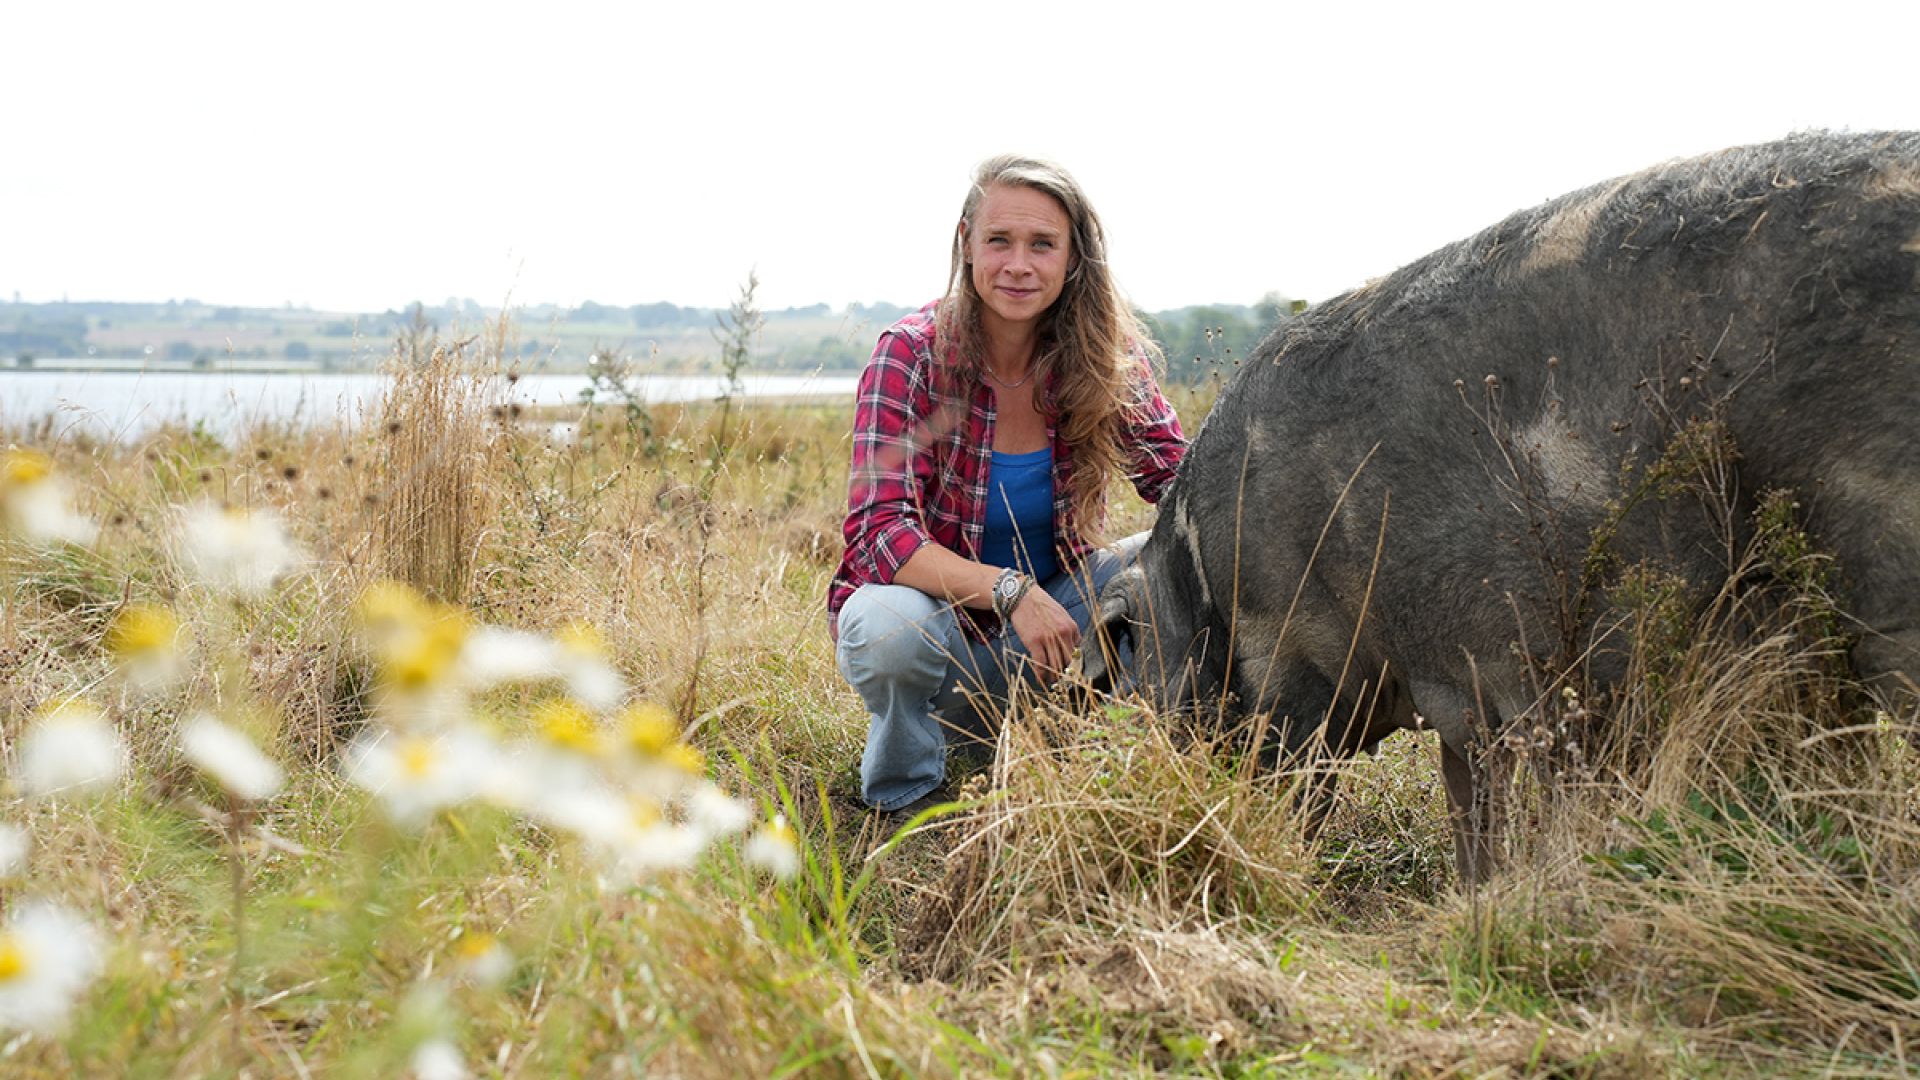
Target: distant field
<point>554,344</point>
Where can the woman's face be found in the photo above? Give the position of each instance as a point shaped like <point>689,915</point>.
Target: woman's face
<point>1018,251</point>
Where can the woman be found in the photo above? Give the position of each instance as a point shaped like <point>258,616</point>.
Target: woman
<point>987,428</point>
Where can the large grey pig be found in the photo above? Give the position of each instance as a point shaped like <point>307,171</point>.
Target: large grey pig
<point>1394,508</point>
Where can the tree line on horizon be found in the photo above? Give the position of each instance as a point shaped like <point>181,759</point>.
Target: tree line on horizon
<point>1197,340</point>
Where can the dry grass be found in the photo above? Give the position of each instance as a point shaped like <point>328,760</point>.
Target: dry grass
<point>435,472</point>
<point>1087,823</point>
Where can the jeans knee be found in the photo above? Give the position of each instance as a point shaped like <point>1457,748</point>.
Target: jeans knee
<point>891,633</point>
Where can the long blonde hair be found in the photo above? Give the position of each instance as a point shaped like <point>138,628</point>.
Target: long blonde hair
<point>1089,338</point>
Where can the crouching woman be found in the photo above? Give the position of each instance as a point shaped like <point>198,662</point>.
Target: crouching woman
<point>987,429</point>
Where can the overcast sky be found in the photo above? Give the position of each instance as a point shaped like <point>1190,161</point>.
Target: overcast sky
<point>355,156</point>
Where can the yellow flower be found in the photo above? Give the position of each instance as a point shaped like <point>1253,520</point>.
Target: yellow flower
<point>646,811</point>
<point>141,629</point>
<point>23,468</point>
<point>390,604</point>
<point>145,639</point>
<point>417,641</point>
<point>480,959</point>
<point>426,653</point>
<point>564,724</point>
<point>686,759</point>
<point>416,757</point>
<point>649,729</point>
<point>582,639</point>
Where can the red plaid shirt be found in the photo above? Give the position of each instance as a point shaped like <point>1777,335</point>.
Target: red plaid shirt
<point>921,457</point>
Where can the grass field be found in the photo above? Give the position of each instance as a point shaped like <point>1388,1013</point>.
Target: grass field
<point>1733,890</point>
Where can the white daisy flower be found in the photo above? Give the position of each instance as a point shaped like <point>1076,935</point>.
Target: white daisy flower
<point>417,775</point>
<point>492,655</point>
<point>775,848</point>
<point>586,808</point>
<point>439,1059</point>
<point>231,758</point>
<point>629,835</point>
<point>70,750</point>
<point>35,504</point>
<point>47,957</point>
<point>714,813</point>
<point>236,551</point>
<point>14,846</point>
<point>581,654</point>
<point>145,640</point>
<point>594,682</point>
<point>480,960</point>
<point>647,745</point>
<point>646,850</point>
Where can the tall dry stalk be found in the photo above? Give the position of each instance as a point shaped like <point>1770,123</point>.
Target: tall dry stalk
<point>435,463</point>
<point>739,329</point>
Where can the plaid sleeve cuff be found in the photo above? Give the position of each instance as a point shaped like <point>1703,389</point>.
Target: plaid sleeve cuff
<point>893,545</point>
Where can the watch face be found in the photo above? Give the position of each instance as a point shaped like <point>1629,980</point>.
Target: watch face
<point>1007,586</point>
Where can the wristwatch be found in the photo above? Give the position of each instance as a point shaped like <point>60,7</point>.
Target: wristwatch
<point>1008,590</point>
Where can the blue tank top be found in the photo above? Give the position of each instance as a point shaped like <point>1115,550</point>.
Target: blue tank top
<point>1020,513</point>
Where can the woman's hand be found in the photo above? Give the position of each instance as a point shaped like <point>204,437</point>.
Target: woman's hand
<point>1047,631</point>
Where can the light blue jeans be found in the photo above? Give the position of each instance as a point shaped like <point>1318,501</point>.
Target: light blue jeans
<point>906,655</point>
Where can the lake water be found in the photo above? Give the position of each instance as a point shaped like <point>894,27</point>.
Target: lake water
<point>119,404</point>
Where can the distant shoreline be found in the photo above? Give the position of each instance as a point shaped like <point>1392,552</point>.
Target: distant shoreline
<point>117,403</point>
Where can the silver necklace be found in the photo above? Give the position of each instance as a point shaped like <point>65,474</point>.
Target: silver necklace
<point>1004,384</point>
